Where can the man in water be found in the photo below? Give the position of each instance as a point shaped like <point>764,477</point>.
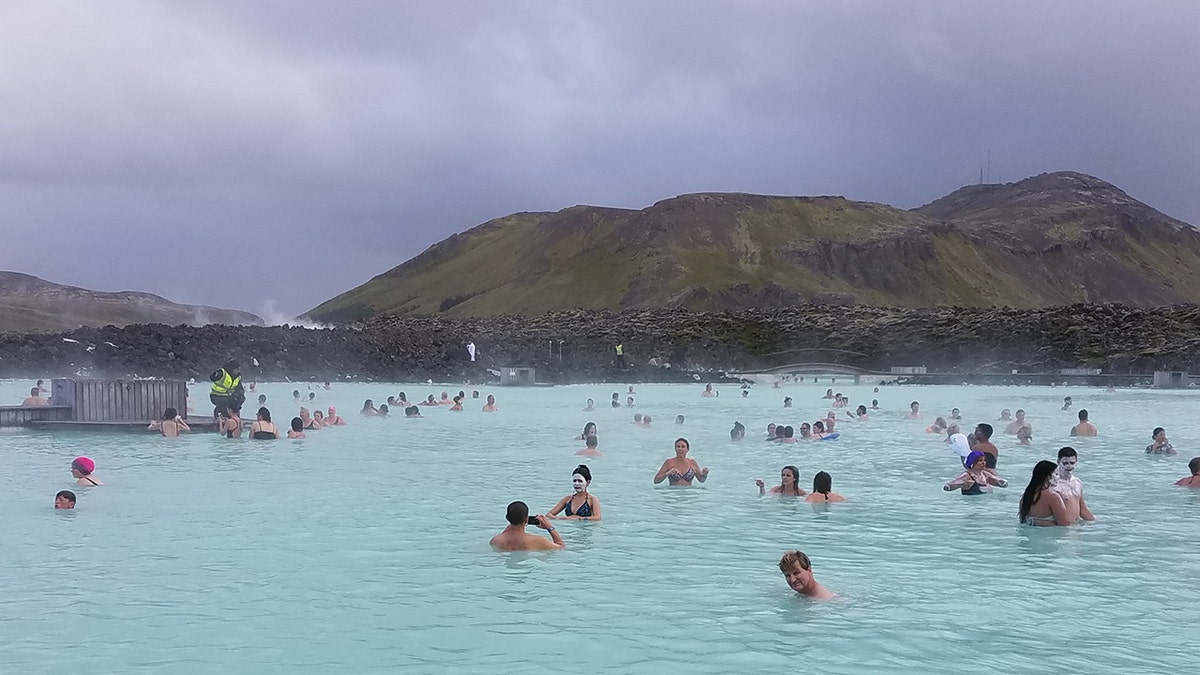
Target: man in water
<point>914,411</point>
<point>797,570</point>
<point>983,443</point>
<point>64,500</point>
<point>1066,403</point>
<point>1017,423</point>
<point>515,538</point>
<point>1069,487</point>
<point>227,390</point>
<point>35,398</point>
<point>1084,428</point>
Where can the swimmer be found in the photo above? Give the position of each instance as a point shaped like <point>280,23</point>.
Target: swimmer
<point>771,431</point>
<point>306,420</point>
<point>955,414</point>
<point>333,419</point>
<point>938,426</point>
<point>428,401</point>
<point>1066,403</point>
<point>412,411</point>
<point>830,421</point>
<point>860,414</point>
<point>319,419</point>
<point>787,401</point>
<point>646,421</point>
<point>914,411</point>
<point>637,419</point>
<point>789,484</point>
<point>828,392</point>
<point>818,430</point>
<point>263,428</point>
<point>874,404</point>
<point>788,434</point>
<point>515,538</point>
<point>297,430</point>
<point>312,396</point>
<point>296,396</point>
<point>402,400</point>
<point>630,389</point>
<point>262,400</point>
<point>581,504</point>
<point>1192,481</point>
<point>590,449</point>
<point>474,393</point>
<point>679,419</point>
<point>384,409</point>
<point>589,429</point>
<point>1160,446</point>
<point>1017,422</point>
<point>822,490</point>
<point>369,409</point>
<point>1040,505</point>
<point>591,405</point>
<point>629,402</point>
<point>81,471</point>
<point>457,404</point>
<point>490,406</point>
<point>1066,484</point>
<point>616,400</point>
<point>681,470</point>
<point>983,443</point>
<point>738,432</point>
<point>805,431</point>
<point>840,401</point>
<point>1084,428</point>
<point>977,479</point>
<point>708,391</point>
<point>446,400</point>
<point>35,398</point>
<point>1025,435</point>
<point>231,422</point>
<point>171,424</point>
<point>745,393</point>
<point>797,570</point>
<point>1006,415</point>
<point>65,499</point>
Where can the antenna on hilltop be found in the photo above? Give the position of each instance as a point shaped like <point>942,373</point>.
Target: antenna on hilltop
<point>989,166</point>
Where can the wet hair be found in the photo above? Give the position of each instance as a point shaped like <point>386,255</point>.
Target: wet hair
<point>297,424</point>
<point>517,514</point>
<point>637,417</point>
<point>738,432</point>
<point>170,414</point>
<point>862,410</point>
<point>679,419</point>
<point>1156,432</point>
<point>586,427</point>
<point>412,411</point>
<point>402,397</point>
<point>296,393</point>
<point>646,419</point>
<point>823,483</point>
<point>818,426</point>
<point>685,442</point>
<point>1083,414</point>
<point>913,403</point>
<point>368,404</point>
<point>66,493</point>
<point>383,409</point>
<point>794,559</point>
<point>939,423</point>
<point>788,432</point>
<point>1037,482</point>
<point>591,441</point>
<point>262,398</point>
<point>1067,451</point>
<point>984,430</point>
<point>391,400</point>
<point>795,477</point>
<point>582,470</point>
<point>265,414</point>
<point>1194,466</point>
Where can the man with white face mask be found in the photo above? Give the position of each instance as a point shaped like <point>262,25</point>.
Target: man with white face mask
<point>1069,487</point>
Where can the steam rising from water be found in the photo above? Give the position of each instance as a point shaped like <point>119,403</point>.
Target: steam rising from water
<point>271,316</point>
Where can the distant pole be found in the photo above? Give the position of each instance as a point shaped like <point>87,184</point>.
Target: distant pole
<point>989,166</point>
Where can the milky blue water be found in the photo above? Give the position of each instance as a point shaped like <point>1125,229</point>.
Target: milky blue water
<point>364,548</point>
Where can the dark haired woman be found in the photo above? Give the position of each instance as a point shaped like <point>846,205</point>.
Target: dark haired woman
<point>680,469</point>
<point>1160,446</point>
<point>1039,505</point>
<point>581,504</point>
<point>368,408</point>
<point>789,484</point>
<point>589,429</point>
<point>822,492</point>
<point>263,428</point>
<point>170,425</point>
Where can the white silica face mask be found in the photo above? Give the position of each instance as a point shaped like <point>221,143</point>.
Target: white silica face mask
<point>578,482</point>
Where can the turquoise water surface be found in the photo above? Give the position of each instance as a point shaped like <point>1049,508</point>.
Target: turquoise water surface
<point>364,548</point>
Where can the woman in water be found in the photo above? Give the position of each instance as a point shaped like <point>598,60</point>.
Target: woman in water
<point>591,405</point>
<point>977,479</point>
<point>581,504</point>
<point>938,426</point>
<point>1040,505</point>
<point>1025,435</point>
<point>231,423</point>
<point>589,429</point>
<point>456,406</point>
<point>1194,479</point>
<point>490,406</point>
<point>306,420</point>
<point>263,428</point>
<point>1160,446</point>
<point>822,492</point>
<point>368,408</point>
<point>708,391</point>
<point>818,431</point>
<point>81,471</point>
<point>789,484</point>
<point>590,450</point>
<point>402,400</point>
<point>170,425</point>
<point>681,470</point>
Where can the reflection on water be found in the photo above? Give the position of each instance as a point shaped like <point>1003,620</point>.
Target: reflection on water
<point>364,547</point>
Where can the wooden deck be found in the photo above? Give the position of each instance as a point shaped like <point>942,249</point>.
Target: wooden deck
<point>19,416</point>
<point>198,425</point>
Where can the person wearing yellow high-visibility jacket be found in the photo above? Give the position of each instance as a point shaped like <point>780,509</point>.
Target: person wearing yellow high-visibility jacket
<point>620,355</point>
<point>227,391</point>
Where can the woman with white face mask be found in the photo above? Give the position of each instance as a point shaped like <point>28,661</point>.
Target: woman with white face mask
<point>580,504</point>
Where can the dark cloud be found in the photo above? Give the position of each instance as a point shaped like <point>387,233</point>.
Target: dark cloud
<point>235,153</point>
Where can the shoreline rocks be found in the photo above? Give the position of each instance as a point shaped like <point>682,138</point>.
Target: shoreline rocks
<point>575,346</point>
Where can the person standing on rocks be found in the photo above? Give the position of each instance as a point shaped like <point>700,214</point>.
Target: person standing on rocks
<point>620,349</point>
<point>227,390</point>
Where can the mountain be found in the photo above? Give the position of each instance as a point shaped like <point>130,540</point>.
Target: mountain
<point>1053,239</point>
<point>28,303</point>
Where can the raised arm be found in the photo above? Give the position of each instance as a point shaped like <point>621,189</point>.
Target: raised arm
<point>963,480</point>
<point>182,425</point>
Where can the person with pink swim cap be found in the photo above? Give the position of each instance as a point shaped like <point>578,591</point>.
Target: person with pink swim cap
<point>81,470</point>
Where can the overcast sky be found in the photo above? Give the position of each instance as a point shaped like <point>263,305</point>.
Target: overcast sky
<point>269,155</point>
